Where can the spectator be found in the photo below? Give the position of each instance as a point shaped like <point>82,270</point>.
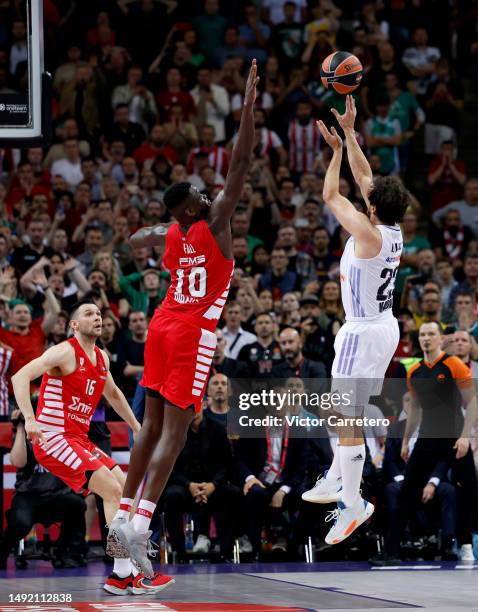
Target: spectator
<point>231,47</point>
<point>446,176</point>
<point>28,255</point>
<point>374,83</point>
<point>218,158</point>
<point>323,259</point>
<point>319,331</point>
<point>218,396</point>
<point>153,294</point>
<point>234,335</point>
<point>299,262</point>
<point>470,284</point>
<point>65,131</point>
<point>27,338</point>
<point>212,102</point>
<point>240,226</point>
<point>225,365</point>
<point>287,35</point>
<point>174,95</point>
<point>129,132</point>
<point>412,244</point>
<point>452,239</point>
<point>420,60</point>
<point>279,280</point>
<point>430,308</point>
<point>304,140</point>
<point>69,167</point>
<point>210,27</point>
<point>464,315</point>
<point>295,364</point>
<point>179,134</point>
<point>254,33</point>
<point>19,46</point>
<point>447,283</point>
<point>198,484</point>
<point>464,343</point>
<point>383,135</point>
<point>445,100</point>
<point>468,207</point>
<point>82,98</point>
<point>405,108</point>
<point>131,353</point>
<point>261,355</point>
<point>93,242</point>
<point>269,480</point>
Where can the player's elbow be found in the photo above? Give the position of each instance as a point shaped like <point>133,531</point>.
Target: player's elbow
<point>16,380</point>
<point>329,196</point>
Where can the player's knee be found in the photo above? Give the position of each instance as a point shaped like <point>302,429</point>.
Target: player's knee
<point>151,428</point>
<point>115,491</point>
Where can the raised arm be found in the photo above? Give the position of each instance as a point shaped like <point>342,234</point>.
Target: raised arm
<point>224,205</point>
<point>359,165</point>
<point>355,222</point>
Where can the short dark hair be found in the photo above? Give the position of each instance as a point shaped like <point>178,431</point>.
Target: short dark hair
<point>390,198</point>
<point>176,194</point>
<point>78,305</point>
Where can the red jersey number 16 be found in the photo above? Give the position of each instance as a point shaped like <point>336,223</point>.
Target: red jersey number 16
<point>90,386</point>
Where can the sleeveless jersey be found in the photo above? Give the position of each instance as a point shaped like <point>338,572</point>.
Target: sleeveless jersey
<point>200,276</point>
<point>67,403</point>
<point>368,284</point>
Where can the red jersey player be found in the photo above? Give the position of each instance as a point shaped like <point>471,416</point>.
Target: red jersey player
<point>75,376</point>
<point>181,338</point>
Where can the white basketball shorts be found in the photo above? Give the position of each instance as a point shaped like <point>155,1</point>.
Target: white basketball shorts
<point>363,351</point>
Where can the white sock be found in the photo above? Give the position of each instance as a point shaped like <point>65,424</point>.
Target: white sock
<point>124,508</point>
<point>122,567</point>
<point>352,459</point>
<point>334,472</point>
<point>135,570</point>
<point>143,515</point>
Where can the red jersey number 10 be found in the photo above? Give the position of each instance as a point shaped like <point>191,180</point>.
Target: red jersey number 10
<point>196,282</point>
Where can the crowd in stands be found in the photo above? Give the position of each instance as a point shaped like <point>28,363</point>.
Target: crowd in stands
<point>149,92</point>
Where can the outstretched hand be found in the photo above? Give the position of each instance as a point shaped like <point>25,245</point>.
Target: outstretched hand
<point>347,120</point>
<point>252,80</point>
<point>331,138</point>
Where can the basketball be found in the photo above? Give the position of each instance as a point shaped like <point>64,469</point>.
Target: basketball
<point>342,71</point>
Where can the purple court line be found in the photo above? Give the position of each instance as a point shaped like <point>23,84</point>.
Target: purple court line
<point>43,569</point>
<point>337,590</point>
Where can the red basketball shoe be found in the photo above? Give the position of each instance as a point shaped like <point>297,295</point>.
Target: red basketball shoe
<point>118,586</point>
<point>145,586</point>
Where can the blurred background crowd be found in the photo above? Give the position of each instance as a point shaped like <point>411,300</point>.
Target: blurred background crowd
<point>146,93</point>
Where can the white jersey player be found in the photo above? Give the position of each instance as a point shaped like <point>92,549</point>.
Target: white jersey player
<point>365,344</point>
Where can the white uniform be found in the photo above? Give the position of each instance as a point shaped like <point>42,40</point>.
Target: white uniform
<point>366,343</point>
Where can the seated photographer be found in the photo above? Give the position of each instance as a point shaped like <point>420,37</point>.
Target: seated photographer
<point>43,498</point>
<point>198,485</point>
<point>438,494</point>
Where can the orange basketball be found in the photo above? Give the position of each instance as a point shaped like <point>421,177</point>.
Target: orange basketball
<point>342,71</point>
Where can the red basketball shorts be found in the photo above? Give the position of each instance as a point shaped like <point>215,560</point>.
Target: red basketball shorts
<point>69,459</point>
<point>177,360</point>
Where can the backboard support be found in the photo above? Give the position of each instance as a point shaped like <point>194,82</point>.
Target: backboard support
<point>25,116</point>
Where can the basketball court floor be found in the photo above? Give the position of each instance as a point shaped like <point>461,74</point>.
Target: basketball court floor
<point>284,587</point>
